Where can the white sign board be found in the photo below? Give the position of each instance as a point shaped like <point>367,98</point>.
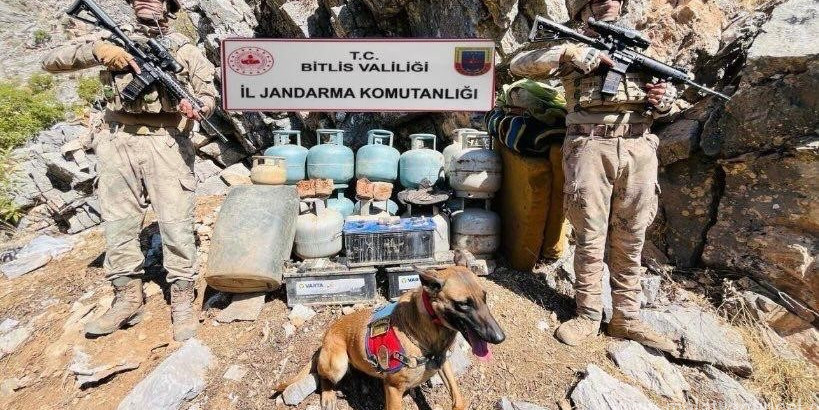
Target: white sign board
<point>357,75</point>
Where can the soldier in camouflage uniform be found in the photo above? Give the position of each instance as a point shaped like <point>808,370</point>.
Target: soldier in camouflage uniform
<point>144,154</point>
<point>610,167</point>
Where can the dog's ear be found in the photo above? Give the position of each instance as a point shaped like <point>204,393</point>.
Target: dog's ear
<point>430,280</point>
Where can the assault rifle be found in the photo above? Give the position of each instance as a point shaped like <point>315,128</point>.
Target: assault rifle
<point>620,44</point>
<point>155,62</point>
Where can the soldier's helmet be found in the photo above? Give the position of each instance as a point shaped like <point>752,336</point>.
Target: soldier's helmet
<point>576,6</point>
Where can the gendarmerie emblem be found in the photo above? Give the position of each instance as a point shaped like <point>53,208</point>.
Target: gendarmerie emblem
<point>473,60</point>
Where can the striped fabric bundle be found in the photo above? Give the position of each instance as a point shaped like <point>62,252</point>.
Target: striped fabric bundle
<point>528,117</point>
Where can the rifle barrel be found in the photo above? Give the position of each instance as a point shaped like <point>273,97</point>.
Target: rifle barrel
<point>708,90</point>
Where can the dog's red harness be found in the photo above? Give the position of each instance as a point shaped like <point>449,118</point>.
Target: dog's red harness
<point>383,348</point>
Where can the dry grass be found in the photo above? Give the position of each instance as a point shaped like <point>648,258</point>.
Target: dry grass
<point>782,382</point>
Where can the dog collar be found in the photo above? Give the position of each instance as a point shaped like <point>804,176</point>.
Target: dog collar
<point>428,307</point>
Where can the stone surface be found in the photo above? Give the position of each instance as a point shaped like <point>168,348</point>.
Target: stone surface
<point>8,324</point>
<point>649,368</point>
<point>775,103</point>
<point>688,200</point>
<point>300,314</point>
<point>243,306</point>
<point>24,264</point>
<point>236,174</point>
<point>180,377</point>
<point>702,337</point>
<point>677,141</point>
<point>288,329</point>
<point>204,169</point>
<point>651,289</point>
<point>599,391</point>
<point>766,222</point>
<point>87,376</point>
<point>505,404</point>
<point>222,19</point>
<point>796,331</point>
<point>212,186</point>
<point>723,390</point>
<point>235,372</point>
<point>12,340</point>
<point>300,389</point>
<point>297,16</point>
<point>681,33</point>
<point>222,153</point>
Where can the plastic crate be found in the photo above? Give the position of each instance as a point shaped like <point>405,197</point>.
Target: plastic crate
<point>372,243</point>
<point>402,279</point>
<point>330,287</point>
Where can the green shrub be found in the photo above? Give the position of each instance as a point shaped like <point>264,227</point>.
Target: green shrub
<point>24,112</point>
<point>41,36</point>
<point>89,89</point>
<point>39,82</point>
<point>9,213</point>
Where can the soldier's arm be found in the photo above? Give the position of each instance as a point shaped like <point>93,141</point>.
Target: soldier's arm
<point>537,63</point>
<point>201,73</point>
<point>70,58</point>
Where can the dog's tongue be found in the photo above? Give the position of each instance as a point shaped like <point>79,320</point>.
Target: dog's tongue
<point>479,347</point>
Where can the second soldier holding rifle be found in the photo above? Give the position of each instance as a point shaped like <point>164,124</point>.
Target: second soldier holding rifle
<point>610,167</point>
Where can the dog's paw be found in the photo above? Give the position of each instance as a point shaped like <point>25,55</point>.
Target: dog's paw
<point>328,400</point>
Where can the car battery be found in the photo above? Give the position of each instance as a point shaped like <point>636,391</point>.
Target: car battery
<point>402,279</point>
<point>396,242</point>
<point>329,285</point>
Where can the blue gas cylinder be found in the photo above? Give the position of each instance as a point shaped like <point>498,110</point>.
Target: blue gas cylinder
<point>329,158</point>
<point>294,155</point>
<point>420,162</point>
<point>378,160</point>
<point>340,203</point>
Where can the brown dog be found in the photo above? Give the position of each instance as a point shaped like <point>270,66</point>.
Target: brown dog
<point>426,330</point>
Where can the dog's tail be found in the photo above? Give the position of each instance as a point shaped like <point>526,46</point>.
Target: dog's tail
<point>308,368</point>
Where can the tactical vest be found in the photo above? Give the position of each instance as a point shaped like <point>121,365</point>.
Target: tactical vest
<point>583,94</point>
<point>155,99</point>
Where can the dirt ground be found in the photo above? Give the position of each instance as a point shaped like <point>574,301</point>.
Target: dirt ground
<point>530,365</point>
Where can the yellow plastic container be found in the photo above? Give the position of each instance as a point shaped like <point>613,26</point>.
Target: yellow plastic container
<point>523,204</point>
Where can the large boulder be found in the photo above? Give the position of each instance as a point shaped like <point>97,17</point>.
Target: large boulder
<point>680,32</point>
<point>180,377</point>
<point>721,390</point>
<point>776,103</point>
<point>215,20</point>
<point>649,368</point>
<point>600,391</point>
<point>767,220</point>
<point>701,336</point>
<point>688,199</point>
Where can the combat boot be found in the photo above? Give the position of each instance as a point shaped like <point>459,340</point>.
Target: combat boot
<point>184,322</point>
<point>125,310</point>
<point>638,331</point>
<point>576,330</point>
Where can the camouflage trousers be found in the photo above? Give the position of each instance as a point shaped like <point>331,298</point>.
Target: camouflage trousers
<point>610,199</point>
<point>141,165</point>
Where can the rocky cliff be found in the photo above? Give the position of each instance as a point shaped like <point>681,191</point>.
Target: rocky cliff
<point>739,179</point>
